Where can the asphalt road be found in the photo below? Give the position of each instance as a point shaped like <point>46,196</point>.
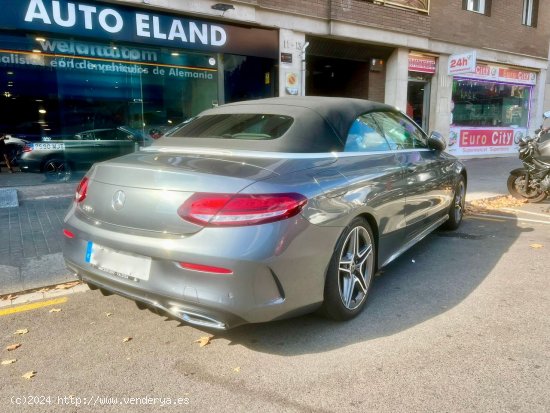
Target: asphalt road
<point>458,324</point>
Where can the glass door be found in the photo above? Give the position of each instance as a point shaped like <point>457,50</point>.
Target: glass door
<point>418,102</point>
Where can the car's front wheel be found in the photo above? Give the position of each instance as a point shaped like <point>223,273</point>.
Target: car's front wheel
<point>351,271</point>
<point>456,210</point>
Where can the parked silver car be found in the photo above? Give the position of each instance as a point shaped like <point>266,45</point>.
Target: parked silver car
<point>262,210</point>
<point>58,158</point>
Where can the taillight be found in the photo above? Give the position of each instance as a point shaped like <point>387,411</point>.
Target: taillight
<point>68,233</point>
<point>240,209</point>
<point>81,190</point>
<point>27,148</point>
<point>205,268</point>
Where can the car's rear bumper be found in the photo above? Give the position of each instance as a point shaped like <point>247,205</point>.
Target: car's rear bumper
<point>175,306</point>
<point>278,270</point>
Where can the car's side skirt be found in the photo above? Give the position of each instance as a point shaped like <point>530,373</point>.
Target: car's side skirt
<point>414,240</point>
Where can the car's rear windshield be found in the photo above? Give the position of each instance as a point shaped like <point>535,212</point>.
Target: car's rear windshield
<point>235,126</point>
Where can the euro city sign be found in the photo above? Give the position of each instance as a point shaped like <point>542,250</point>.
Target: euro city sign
<point>121,23</point>
<point>462,63</point>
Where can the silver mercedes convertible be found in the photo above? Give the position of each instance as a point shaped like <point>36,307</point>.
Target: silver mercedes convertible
<point>262,210</point>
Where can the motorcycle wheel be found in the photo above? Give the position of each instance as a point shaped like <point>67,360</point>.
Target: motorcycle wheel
<point>516,187</point>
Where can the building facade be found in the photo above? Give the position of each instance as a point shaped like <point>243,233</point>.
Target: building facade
<point>74,72</point>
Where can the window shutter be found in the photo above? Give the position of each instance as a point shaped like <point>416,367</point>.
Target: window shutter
<point>464,4</point>
<point>535,14</point>
<point>488,5</point>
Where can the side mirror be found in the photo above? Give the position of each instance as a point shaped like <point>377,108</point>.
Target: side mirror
<point>436,141</point>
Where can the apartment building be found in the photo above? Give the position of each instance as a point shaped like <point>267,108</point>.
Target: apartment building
<point>474,70</point>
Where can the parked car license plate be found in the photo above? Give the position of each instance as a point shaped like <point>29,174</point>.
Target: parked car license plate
<point>48,146</point>
<point>133,267</point>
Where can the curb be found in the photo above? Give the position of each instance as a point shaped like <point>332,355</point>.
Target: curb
<point>42,295</point>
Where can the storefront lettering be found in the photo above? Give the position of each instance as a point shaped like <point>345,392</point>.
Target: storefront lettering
<point>109,19</point>
<point>462,63</point>
<point>421,64</point>
<point>483,70</point>
<point>98,50</point>
<point>78,16</point>
<point>502,74</point>
<point>188,74</point>
<point>107,67</point>
<point>515,74</point>
<point>217,35</point>
<point>488,137</point>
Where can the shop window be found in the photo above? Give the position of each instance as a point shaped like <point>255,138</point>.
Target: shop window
<point>477,103</point>
<point>477,6</point>
<point>74,92</point>
<point>247,78</point>
<point>530,12</point>
<point>59,94</point>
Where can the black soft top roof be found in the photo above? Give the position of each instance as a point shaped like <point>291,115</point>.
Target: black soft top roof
<point>321,124</point>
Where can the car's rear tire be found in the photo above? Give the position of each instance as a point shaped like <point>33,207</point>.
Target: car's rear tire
<point>456,210</point>
<point>57,170</point>
<point>350,272</point>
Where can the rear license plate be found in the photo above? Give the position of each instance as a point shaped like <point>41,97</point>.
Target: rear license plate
<point>57,146</point>
<point>133,267</point>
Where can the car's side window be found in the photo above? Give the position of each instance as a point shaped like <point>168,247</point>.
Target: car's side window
<point>121,135</point>
<point>86,136</point>
<point>400,132</point>
<point>364,136</point>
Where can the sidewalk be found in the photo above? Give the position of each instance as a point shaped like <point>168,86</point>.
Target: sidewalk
<point>487,176</point>
<point>30,252</point>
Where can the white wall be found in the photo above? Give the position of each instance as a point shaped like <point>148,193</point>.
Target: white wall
<point>397,75</point>
<point>291,42</point>
<point>440,98</point>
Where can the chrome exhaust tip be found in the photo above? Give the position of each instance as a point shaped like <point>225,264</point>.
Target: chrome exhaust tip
<point>198,319</point>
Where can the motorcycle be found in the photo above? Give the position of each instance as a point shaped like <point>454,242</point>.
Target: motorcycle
<point>532,182</point>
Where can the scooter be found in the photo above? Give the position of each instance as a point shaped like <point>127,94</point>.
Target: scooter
<point>532,182</point>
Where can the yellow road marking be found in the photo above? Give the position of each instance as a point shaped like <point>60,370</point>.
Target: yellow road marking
<point>32,306</point>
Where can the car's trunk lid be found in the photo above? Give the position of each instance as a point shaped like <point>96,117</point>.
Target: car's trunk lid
<point>143,191</point>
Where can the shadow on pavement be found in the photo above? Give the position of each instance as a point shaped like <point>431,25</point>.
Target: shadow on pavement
<point>20,180</point>
<point>428,280</point>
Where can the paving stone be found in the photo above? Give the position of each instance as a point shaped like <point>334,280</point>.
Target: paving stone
<point>8,198</point>
<point>10,279</point>
<point>45,270</point>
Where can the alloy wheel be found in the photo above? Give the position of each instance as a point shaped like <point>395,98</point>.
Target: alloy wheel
<point>355,267</point>
<point>57,170</point>
<point>459,201</point>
